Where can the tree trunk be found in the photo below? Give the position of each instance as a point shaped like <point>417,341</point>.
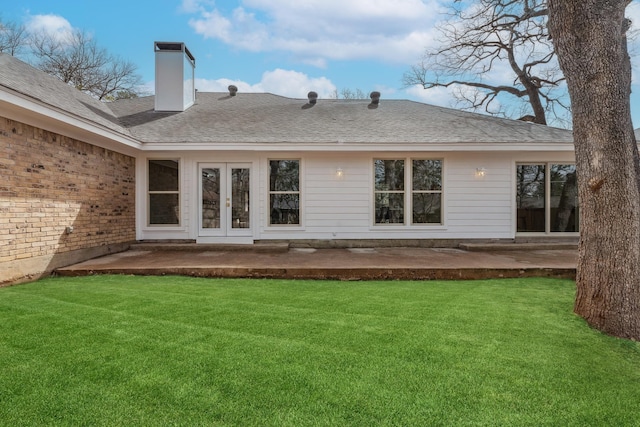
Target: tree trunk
<point>535,102</point>
<point>533,91</point>
<point>589,36</point>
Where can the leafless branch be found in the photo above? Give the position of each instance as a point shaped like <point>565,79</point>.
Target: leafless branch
<point>480,40</point>
<point>13,38</point>
<point>79,61</point>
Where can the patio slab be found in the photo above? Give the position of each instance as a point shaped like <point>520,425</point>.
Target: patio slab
<point>338,263</point>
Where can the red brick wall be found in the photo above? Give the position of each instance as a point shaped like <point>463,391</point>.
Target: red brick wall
<point>50,182</point>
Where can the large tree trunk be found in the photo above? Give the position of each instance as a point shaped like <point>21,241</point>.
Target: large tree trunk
<point>589,36</point>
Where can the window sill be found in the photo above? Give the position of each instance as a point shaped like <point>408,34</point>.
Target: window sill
<point>405,227</point>
<point>163,228</point>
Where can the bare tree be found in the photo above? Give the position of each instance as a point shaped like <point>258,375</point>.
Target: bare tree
<point>590,38</point>
<point>353,94</point>
<point>13,38</point>
<point>78,60</point>
<point>479,38</point>
<point>346,93</point>
<point>117,81</point>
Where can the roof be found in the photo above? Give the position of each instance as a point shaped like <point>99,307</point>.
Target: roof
<point>37,85</point>
<point>263,117</point>
<point>267,118</point>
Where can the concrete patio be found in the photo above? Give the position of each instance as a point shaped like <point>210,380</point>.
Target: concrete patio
<point>380,263</point>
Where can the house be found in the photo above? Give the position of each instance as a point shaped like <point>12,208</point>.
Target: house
<point>81,178</point>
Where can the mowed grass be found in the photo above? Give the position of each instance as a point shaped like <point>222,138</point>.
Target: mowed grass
<point>158,351</point>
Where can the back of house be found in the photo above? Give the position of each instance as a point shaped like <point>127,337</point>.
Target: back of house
<point>85,178</point>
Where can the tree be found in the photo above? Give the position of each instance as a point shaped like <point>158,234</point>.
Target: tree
<point>347,93</point>
<point>124,94</point>
<point>590,39</point>
<point>78,60</point>
<point>477,39</point>
<point>13,38</point>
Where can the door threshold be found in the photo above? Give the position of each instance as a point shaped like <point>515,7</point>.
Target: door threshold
<point>225,240</point>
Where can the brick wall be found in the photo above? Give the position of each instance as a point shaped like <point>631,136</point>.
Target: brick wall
<point>61,201</point>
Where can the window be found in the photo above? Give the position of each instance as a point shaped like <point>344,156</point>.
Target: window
<point>164,194</point>
<point>530,197</point>
<point>424,200</point>
<point>426,191</point>
<point>284,192</point>
<point>563,198</point>
<point>547,198</point>
<point>389,191</point>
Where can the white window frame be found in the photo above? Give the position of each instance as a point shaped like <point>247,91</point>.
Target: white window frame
<point>270,193</point>
<point>408,193</point>
<point>150,193</point>
<point>440,192</point>
<point>377,192</point>
<point>547,201</point>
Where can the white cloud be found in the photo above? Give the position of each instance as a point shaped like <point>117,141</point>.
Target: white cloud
<point>317,30</point>
<point>212,25</point>
<point>441,96</point>
<point>53,25</point>
<point>288,83</point>
<point>194,6</point>
<point>189,6</point>
<point>295,84</point>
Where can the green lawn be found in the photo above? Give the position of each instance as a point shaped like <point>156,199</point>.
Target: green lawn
<point>157,351</point>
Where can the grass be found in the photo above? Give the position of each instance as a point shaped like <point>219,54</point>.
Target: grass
<point>157,351</point>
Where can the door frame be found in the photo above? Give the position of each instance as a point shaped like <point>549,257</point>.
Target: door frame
<point>225,233</point>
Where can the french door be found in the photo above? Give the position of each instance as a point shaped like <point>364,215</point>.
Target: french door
<point>225,194</point>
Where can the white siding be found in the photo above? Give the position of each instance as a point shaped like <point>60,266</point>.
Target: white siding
<point>478,207</point>
<point>335,207</point>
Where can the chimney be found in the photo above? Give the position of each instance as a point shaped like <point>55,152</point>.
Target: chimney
<point>175,74</point>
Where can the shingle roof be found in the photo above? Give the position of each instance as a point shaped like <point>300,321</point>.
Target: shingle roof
<point>268,118</point>
<point>253,117</point>
<point>29,81</point>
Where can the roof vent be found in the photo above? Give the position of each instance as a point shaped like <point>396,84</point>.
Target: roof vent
<point>233,90</point>
<point>313,97</point>
<point>375,97</point>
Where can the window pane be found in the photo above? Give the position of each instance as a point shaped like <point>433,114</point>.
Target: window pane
<point>211,198</point>
<point>389,175</point>
<point>284,175</point>
<point>427,175</point>
<point>390,208</point>
<point>164,209</point>
<point>530,197</point>
<point>285,208</point>
<point>427,208</point>
<point>564,198</point>
<point>163,175</point>
<point>240,198</point>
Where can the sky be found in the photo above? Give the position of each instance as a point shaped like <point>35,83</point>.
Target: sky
<point>286,47</point>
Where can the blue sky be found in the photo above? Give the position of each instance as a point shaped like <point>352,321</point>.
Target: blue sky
<point>287,47</point>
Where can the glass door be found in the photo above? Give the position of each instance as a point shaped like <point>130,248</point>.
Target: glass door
<point>238,192</point>
<point>225,199</point>
<point>211,189</point>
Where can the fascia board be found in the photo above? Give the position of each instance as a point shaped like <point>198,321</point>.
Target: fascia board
<point>20,108</point>
<point>362,147</point>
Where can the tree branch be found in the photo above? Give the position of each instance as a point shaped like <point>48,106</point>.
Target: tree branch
<point>484,36</point>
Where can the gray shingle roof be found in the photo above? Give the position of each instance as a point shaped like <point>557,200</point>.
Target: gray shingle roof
<point>252,117</point>
<point>29,81</point>
<point>267,118</point>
